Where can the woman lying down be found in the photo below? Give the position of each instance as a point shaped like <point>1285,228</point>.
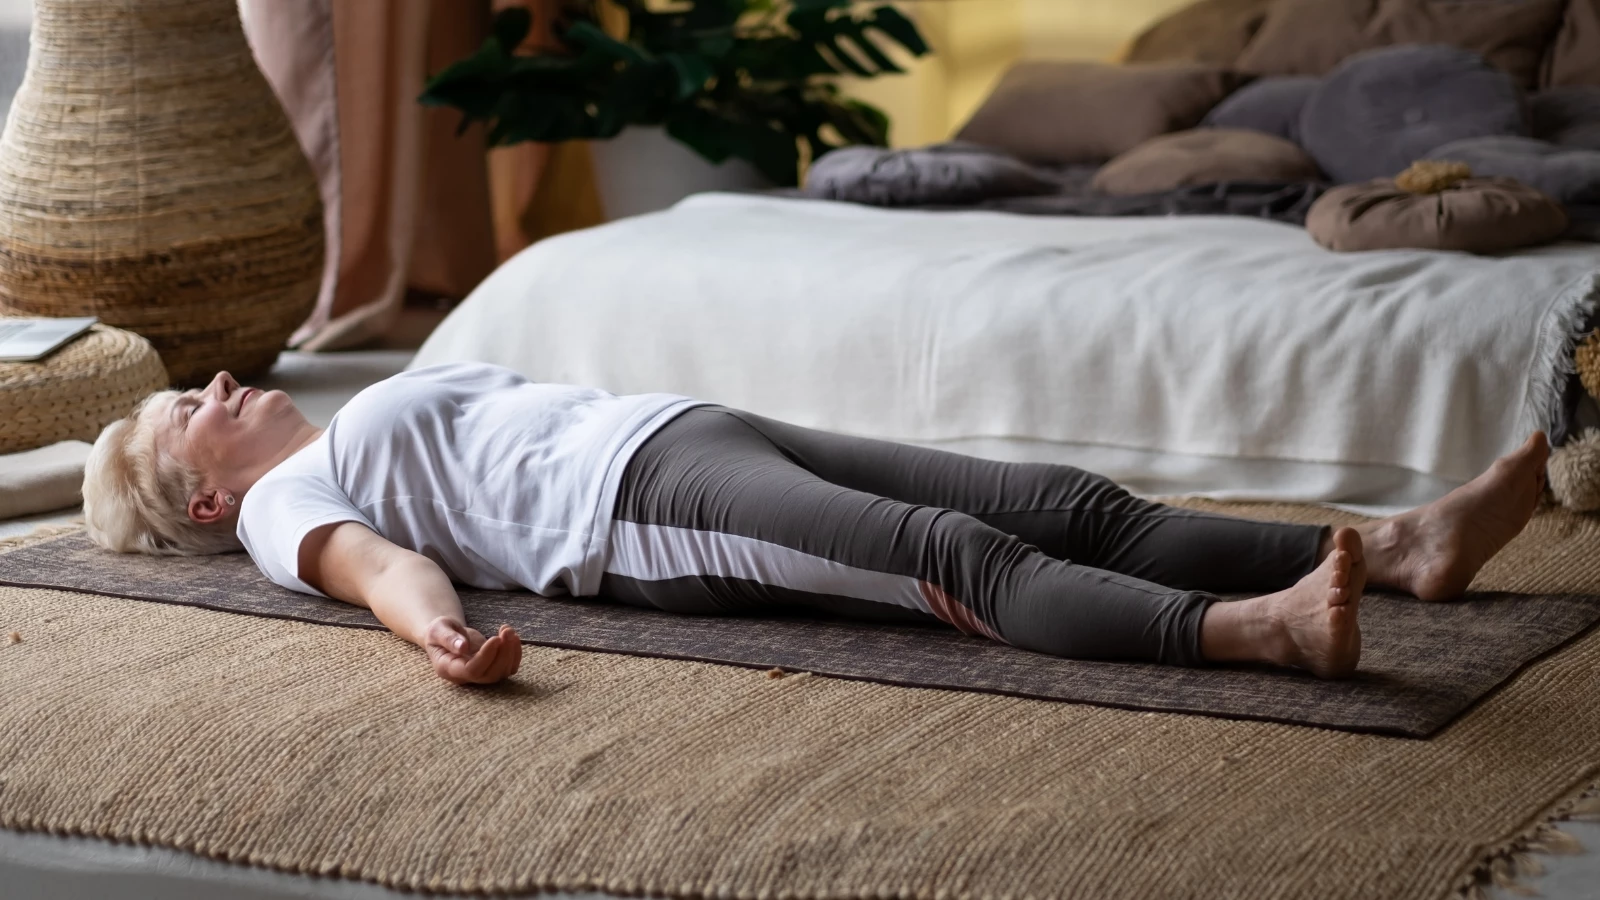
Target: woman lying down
<point>469,473</point>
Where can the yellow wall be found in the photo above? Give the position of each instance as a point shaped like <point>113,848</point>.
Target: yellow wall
<point>974,41</point>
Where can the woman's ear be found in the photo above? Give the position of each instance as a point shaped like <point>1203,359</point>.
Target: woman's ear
<point>210,505</point>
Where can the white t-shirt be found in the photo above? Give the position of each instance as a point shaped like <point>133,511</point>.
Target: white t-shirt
<point>503,482</point>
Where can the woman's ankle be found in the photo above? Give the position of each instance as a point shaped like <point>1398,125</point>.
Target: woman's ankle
<point>1241,631</point>
<point>1383,548</point>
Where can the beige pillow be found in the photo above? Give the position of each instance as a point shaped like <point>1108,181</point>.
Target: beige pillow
<point>1075,112</point>
<point>1476,215</point>
<point>1310,37</point>
<point>1207,31</point>
<point>1204,156</point>
<point>1574,57</point>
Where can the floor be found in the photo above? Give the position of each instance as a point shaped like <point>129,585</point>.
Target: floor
<point>37,867</point>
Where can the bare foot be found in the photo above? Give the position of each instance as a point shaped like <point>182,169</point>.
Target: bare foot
<point>1316,619</point>
<point>1434,551</point>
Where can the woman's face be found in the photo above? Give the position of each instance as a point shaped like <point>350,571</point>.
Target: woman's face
<point>231,434</point>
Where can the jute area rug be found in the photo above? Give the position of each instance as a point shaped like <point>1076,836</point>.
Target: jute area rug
<point>1423,664</point>
<point>336,751</point>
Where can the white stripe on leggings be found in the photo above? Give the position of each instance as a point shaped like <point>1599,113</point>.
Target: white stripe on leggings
<point>659,552</point>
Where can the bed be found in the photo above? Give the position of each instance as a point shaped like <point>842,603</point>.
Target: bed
<point>1059,283</point>
<point>1218,356</point>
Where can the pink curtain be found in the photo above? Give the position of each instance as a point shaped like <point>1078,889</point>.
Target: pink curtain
<point>409,205</point>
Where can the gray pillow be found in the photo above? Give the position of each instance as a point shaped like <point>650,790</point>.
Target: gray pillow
<point>953,173</point>
<point>1384,109</point>
<point>1569,116</point>
<point>1569,174</point>
<point>1271,105</point>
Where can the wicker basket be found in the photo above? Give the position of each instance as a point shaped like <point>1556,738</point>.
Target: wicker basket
<point>76,391</point>
<point>148,176</point>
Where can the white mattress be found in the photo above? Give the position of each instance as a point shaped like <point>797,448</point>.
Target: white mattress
<point>1220,356</point>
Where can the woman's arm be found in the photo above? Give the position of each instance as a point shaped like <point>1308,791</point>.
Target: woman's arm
<point>411,595</point>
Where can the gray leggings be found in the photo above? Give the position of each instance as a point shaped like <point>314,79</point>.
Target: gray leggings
<point>724,512</point>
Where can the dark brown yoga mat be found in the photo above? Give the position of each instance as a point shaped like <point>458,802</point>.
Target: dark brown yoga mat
<point>1422,664</point>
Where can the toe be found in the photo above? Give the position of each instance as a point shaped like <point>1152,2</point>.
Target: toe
<point>1348,540</point>
<point>1339,566</point>
<point>1534,451</point>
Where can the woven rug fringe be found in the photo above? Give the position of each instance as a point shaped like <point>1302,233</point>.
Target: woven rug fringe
<point>1509,865</point>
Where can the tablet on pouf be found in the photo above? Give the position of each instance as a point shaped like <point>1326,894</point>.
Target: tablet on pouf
<point>28,340</point>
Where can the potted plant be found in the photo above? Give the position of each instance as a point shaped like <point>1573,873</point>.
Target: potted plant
<point>746,85</point>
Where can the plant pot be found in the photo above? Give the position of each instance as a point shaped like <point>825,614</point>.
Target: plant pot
<point>148,176</point>
<point>644,169</point>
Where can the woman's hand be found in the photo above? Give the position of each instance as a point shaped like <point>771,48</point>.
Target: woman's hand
<point>461,655</point>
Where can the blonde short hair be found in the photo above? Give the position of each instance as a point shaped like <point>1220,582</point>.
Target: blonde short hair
<point>136,496</point>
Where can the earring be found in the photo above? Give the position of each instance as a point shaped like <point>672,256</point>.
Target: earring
<point>228,499</point>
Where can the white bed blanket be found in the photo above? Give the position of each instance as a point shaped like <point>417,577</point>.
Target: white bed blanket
<point>1191,338</point>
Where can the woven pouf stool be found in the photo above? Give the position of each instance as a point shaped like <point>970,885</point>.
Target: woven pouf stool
<point>78,390</point>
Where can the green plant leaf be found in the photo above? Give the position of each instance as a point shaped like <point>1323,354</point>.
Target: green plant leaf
<point>742,78</point>
<point>843,57</point>
<point>469,84</point>
<point>857,122</point>
<point>704,135</point>
<point>693,72</point>
<point>894,23</point>
<point>704,15</point>
<point>511,26</point>
<point>589,37</point>
<point>863,43</point>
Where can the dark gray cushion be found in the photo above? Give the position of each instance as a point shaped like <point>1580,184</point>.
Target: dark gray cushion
<point>1271,105</point>
<point>1382,110</point>
<point>1569,116</point>
<point>942,174</point>
<point>1569,174</point>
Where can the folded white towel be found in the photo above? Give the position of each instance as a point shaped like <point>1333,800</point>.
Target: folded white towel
<point>42,480</point>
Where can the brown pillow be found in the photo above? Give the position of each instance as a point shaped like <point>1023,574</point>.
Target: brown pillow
<point>1209,31</point>
<point>1574,58</point>
<point>1075,112</point>
<point>1310,37</point>
<point>1204,156</point>
<point>1477,215</point>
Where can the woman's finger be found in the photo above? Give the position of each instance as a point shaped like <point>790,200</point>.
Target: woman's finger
<point>451,668</point>
<point>502,661</point>
<point>447,635</point>
<point>483,660</point>
<point>515,646</point>
<point>506,664</point>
